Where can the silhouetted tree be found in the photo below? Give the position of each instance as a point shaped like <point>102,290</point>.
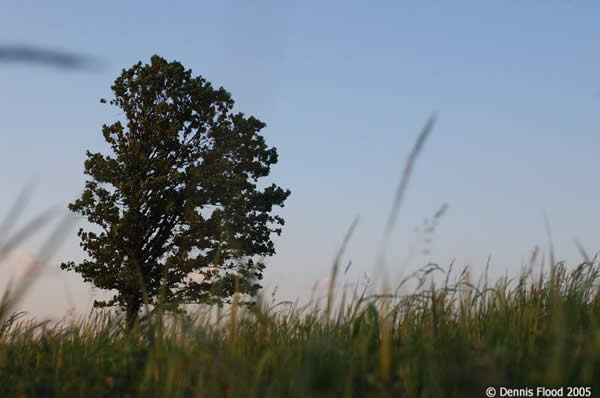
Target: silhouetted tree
<point>179,196</point>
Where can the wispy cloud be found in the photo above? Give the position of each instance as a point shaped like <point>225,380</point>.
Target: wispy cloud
<point>20,263</point>
<point>323,284</point>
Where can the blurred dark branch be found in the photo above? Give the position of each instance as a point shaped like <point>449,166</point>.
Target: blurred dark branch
<point>36,55</point>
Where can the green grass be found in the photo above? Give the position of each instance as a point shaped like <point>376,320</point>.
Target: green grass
<point>451,341</point>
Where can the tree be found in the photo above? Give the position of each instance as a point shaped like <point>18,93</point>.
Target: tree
<point>179,197</point>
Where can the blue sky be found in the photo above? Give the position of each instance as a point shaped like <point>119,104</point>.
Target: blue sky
<point>344,88</point>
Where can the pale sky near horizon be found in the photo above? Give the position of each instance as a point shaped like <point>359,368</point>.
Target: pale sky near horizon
<point>344,88</point>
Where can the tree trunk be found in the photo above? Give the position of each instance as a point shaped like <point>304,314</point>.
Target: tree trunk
<point>134,297</point>
<point>131,312</point>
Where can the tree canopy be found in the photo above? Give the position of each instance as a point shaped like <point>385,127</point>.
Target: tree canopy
<point>180,217</point>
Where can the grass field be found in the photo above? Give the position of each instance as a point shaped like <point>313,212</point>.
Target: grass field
<point>454,340</point>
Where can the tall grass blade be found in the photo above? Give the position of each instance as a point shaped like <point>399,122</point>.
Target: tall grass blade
<point>401,190</point>
<point>336,264</point>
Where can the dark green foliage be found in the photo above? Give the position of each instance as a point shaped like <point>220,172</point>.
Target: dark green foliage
<point>178,196</point>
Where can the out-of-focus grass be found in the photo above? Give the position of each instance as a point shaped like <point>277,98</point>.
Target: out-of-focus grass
<point>448,341</point>
<point>14,293</point>
<point>35,55</point>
